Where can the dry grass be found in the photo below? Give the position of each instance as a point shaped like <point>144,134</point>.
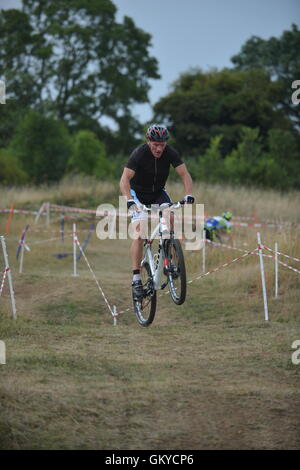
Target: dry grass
<point>82,190</point>
<point>210,374</point>
<point>266,204</point>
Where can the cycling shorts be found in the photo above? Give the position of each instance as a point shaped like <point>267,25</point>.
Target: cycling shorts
<point>159,197</point>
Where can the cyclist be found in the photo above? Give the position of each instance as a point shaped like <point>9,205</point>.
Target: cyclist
<point>216,226</point>
<point>143,182</point>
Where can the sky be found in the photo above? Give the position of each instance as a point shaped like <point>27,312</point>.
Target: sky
<point>199,33</point>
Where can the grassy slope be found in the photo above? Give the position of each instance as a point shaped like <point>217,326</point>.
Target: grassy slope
<point>210,374</point>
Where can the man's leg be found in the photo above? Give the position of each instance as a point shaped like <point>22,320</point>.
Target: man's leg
<point>136,252</point>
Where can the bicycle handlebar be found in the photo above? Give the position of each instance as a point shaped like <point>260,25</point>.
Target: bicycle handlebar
<point>165,205</point>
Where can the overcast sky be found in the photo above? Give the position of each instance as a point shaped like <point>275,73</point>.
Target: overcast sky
<point>200,33</point>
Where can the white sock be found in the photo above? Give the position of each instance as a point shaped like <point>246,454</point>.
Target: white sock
<point>136,277</point>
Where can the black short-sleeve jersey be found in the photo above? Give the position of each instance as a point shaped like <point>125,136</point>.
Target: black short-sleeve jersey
<point>151,173</point>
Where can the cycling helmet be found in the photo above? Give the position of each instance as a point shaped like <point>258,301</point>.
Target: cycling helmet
<point>227,215</point>
<point>157,133</point>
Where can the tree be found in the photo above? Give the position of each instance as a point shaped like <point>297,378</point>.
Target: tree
<point>242,166</point>
<point>71,58</point>
<point>283,150</point>
<point>279,57</point>
<point>10,171</point>
<point>89,156</point>
<point>43,147</point>
<point>202,105</point>
<point>209,167</point>
<point>275,164</point>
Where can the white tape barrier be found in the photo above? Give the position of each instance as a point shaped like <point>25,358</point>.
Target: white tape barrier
<point>207,273</point>
<point>265,223</point>
<point>246,253</point>
<point>263,281</point>
<point>112,310</point>
<point>282,254</point>
<point>289,267</point>
<point>46,207</point>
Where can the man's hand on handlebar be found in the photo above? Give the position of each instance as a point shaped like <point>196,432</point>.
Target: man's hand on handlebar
<point>131,204</point>
<point>189,199</point>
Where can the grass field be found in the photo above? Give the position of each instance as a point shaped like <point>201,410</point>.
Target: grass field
<point>210,374</point>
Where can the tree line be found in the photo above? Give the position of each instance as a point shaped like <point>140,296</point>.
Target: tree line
<point>70,68</point>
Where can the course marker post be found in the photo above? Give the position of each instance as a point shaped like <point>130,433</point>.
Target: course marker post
<point>11,290</point>
<point>62,226</point>
<point>263,281</point>
<point>115,315</point>
<point>22,246</point>
<point>74,252</point>
<point>47,213</point>
<point>203,251</point>
<point>39,213</point>
<point>276,269</point>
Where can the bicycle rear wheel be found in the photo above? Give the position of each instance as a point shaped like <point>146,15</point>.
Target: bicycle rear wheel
<point>146,307</point>
<point>175,271</point>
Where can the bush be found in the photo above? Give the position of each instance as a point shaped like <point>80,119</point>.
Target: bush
<point>89,155</point>
<point>242,164</point>
<point>43,146</point>
<point>211,164</point>
<point>10,171</point>
<point>283,150</point>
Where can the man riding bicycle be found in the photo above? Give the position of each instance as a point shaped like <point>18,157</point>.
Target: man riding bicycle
<point>143,181</point>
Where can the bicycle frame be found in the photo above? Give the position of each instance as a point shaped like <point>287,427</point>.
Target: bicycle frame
<point>156,266</point>
<point>169,249</point>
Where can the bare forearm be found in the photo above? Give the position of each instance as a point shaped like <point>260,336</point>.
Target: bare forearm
<point>127,175</point>
<point>125,187</point>
<point>188,183</point>
<point>186,178</point>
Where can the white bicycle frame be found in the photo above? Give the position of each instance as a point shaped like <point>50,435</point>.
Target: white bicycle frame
<point>161,228</point>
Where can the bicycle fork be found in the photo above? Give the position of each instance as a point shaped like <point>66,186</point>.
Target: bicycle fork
<point>156,266</point>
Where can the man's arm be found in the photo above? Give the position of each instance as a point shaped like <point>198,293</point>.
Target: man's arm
<point>186,178</point>
<point>125,182</point>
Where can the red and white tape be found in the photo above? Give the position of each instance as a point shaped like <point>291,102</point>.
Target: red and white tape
<point>112,311</point>
<point>223,265</point>
<point>19,211</point>
<point>222,245</point>
<point>282,254</point>
<point>289,267</point>
<point>206,274</point>
<point>255,223</point>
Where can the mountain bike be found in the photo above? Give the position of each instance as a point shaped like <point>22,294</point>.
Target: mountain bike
<point>168,261</point>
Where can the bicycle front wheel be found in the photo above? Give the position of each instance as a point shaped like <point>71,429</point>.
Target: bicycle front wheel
<point>145,308</point>
<point>175,271</point>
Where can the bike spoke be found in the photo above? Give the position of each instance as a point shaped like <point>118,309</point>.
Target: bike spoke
<point>176,271</point>
<point>145,308</point>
